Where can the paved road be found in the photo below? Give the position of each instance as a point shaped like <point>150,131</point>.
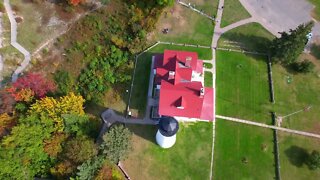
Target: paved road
<point>269,126</point>
<point>280,15</point>
<point>14,43</point>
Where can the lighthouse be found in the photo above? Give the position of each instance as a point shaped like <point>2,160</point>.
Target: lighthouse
<point>166,134</point>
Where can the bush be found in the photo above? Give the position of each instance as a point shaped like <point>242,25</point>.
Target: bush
<point>79,149</point>
<point>303,67</point>
<point>64,81</point>
<point>314,160</point>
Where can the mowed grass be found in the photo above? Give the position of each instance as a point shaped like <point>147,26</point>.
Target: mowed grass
<point>207,65</point>
<point>208,79</point>
<point>294,153</point>
<point>185,26</point>
<point>189,158</point>
<point>252,37</point>
<point>233,12</point>
<point>235,142</point>
<point>316,10</point>
<point>242,86</point>
<point>209,7</point>
<point>142,73</point>
<point>294,92</point>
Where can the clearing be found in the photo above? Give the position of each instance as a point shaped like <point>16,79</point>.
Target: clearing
<point>187,159</point>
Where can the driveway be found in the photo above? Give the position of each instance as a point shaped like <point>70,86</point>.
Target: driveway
<point>281,15</point>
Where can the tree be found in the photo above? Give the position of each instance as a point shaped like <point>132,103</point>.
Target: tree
<point>304,66</point>
<point>21,153</point>
<point>116,143</point>
<point>78,125</point>
<point>314,160</point>
<point>79,149</point>
<point>55,108</point>
<point>289,46</point>
<point>6,102</point>
<point>88,169</point>
<point>74,2</point>
<point>34,82</point>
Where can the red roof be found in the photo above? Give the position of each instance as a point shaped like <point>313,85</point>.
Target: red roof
<point>179,95</point>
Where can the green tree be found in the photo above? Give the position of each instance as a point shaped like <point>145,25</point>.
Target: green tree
<point>79,149</point>
<point>314,160</point>
<point>116,143</point>
<point>88,169</point>
<point>289,46</point>
<point>22,154</point>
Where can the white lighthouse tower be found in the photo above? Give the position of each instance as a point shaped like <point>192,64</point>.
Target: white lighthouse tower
<point>167,129</point>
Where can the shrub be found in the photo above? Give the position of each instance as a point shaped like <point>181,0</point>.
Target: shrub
<point>314,160</point>
<point>303,67</point>
<point>64,81</point>
<point>79,149</point>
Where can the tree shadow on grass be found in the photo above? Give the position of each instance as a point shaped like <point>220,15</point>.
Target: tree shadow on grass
<point>297,156</point>
<point>249,42</point>
<point>315,51</point>
<point>147,132</point>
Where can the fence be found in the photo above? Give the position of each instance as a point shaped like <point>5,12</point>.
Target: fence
<point>276,147</point>
<point>270,81</point>
<point>196,10</point>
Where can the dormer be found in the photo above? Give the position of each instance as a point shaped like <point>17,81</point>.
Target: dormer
<point>202,92</point>
<point>171,75</point>
<point>188,61</point>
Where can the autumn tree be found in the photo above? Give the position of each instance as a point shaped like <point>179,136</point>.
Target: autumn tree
<point>79,149</point>
<point>55,108</point>
<point>31,85</point>
<point>6,102</point>
<point>74,2</point>
<point>289,46</point>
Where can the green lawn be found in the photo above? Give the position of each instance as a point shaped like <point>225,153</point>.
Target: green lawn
<point>294,151</point>
<point>141,80</point>
<point>189,158</point>
<point>294,92</point>
<point>185,26</point>
<point>251,37</point>
<point>242,86</point>
<point>208,79</point>
<point>233,143</point>
<point>316,11</point>
<point>207,65</point>
<point>208,6</point>
<point>233,12</point>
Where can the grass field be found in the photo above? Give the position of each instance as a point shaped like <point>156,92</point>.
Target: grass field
<point>207,65</point>
<point>242,86</point>
<point>251,37</point>
<point>208,79</point>
<point>236,142</point>
<point>208,6</point>
<point>294,151</point>
<point>189,158</point>
<point>294,92</point>
<point>141,80</point>
<point>316,11</point>
<point>185,26</point>
<point>233,12</point>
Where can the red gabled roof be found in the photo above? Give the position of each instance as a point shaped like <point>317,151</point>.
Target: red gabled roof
<point>180,96</point>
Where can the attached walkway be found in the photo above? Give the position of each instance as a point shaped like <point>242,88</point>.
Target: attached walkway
<point>14,43</point>
<point>268,126</point>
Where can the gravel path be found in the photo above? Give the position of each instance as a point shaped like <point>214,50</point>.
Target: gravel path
<point>14,43</point>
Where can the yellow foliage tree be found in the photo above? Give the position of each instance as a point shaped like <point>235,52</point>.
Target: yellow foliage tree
<point>55,108</point>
